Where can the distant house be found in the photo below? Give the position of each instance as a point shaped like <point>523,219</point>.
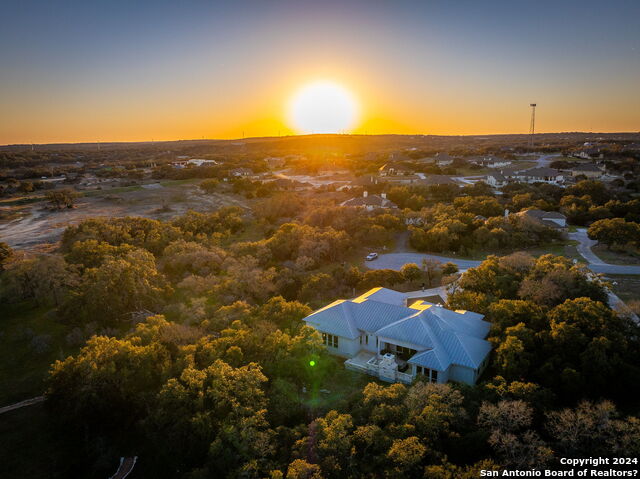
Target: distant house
<point>366,180</point>
<point>401,179</point>
<point>370,202</point>
<point>238,172</point>
<point>552,219</point>
<point>430,180</point>
<point>380,334</point>
<point>491,162</point>
<point>443,159</point>
<point>394,169</point>
<point>497,179</point>
<point>201,162</point>
<point>589,153</point>
<point>540,175</point>
<point>589,170</point>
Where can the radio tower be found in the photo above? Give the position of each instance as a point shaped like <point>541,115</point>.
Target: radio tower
<point>532,127</point>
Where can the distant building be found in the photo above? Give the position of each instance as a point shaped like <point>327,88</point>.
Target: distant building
<point>383,336</point>
<point>393,169</point>
<point>540,175</point>
<point>496,179</point>
<point>201,162</point>
<point>491,162</point>
<point>370,202</point>
<point>589,153</point>
<point>238,172</point>
<point>430,180</point>
<point>366,180</point>
<point>443,159</point>
<point>552,219</point>
<point>590,170</point>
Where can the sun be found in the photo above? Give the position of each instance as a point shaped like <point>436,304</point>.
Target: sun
<point>323,107</point>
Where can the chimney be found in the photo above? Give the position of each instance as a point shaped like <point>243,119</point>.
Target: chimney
<point>384,195</point>
<point>364,195</point>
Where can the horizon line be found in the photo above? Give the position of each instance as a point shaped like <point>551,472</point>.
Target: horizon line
<point>122,142</point>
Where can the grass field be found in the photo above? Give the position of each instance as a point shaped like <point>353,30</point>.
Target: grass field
<point>614,257</point>
<point>627,287</point>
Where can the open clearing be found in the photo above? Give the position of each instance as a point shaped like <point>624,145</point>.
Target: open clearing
<point>32,225</point>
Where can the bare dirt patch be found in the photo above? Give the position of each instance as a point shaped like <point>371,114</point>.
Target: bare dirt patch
<point>31,227</point>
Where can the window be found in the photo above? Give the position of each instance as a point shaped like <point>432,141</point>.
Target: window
<point>366,339</point>
<point>330,340</point>
<point>431,374</point>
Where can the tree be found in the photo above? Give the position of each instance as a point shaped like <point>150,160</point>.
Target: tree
<point>61,198</point>
<point>615,231</point>
<point>411,272</point>
<point>117,287</point>
<point>406,454</point>
<point>210,185</point>
<point>301,469</point>
<point>594,429</point>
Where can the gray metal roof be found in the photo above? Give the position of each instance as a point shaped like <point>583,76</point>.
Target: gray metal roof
<point>453,337</point>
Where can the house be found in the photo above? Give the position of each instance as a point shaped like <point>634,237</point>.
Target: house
<point>201,162</point>
<point>589,170</point>
<point>366,180</point>
<point>443,159</point>
<point>496,179</point>
<point>401,179</point>
<point>491,162</point>
<point>381,335</point>
<point>370,202</point>
<point>589,153</point>
<point>540,175</point>
<point>394,169</point>
<point>431,180</point>
<point>237,172</point>
<point>552,219</point>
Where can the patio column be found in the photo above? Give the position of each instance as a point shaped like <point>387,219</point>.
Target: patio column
<point>378,346</point>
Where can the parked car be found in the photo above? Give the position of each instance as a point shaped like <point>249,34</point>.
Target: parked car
<point>372,256</point>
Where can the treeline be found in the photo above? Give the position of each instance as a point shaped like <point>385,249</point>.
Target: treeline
<point>473,223</point>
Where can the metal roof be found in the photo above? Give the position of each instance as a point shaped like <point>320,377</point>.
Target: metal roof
<point>453,337</point>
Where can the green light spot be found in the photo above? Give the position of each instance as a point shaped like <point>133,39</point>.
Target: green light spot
<point>312,363</point>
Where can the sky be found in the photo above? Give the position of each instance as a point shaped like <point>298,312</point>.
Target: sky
<point>78,71</point>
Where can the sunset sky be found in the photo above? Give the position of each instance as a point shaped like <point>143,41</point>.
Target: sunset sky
<point>136,71</point>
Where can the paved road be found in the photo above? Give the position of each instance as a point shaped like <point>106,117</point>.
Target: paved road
<point>595,263</point>
<point>398,260</point>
